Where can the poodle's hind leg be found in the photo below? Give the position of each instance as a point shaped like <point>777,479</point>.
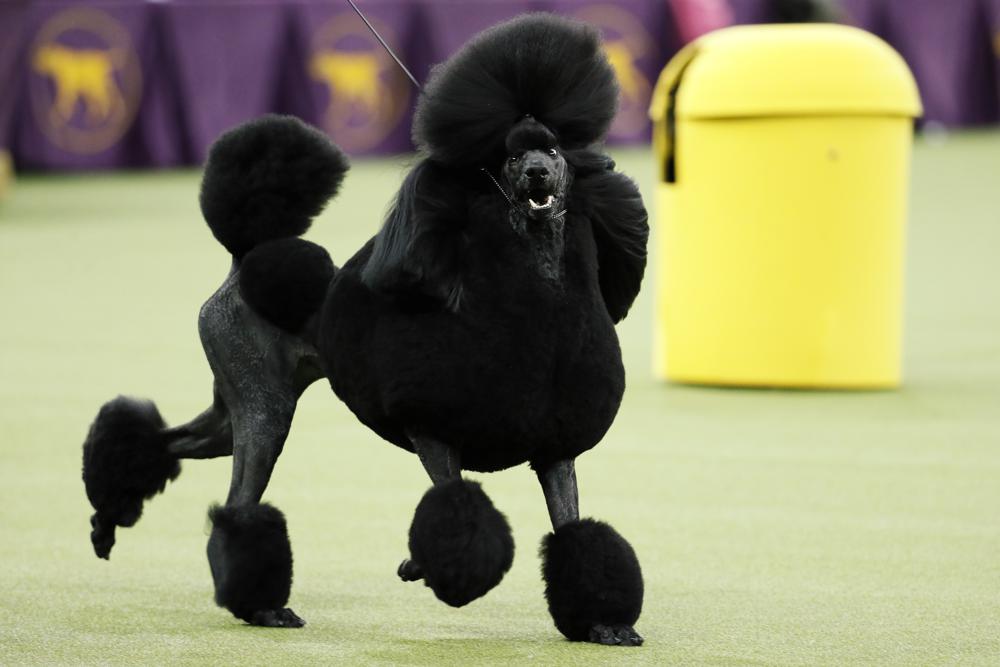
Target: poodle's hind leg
<point>261,372</point>
<point>593,582</point>
<point>130,455</point>
<point>207,436</point>
<point>249,552</point>
<point>460,545</point>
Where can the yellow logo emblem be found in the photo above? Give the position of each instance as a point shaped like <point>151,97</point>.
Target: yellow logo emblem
<point>87,80</point>
<point>367,94</point>
<point>626,43</point>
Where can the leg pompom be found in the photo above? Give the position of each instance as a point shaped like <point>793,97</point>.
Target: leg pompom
<point>125,461</point>
<point>460,541</point>
<point>593,583</point>
<point>251,561</point>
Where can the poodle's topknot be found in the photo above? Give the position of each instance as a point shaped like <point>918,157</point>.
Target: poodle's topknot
<point>541,65</point>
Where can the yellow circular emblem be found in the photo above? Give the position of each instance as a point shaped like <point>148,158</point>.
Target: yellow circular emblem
<point>86,81</point>
<point>367,95</point>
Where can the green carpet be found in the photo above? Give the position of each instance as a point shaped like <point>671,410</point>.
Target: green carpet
<point>776,528</point>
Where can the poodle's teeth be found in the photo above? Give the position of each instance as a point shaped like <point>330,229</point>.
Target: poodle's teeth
<point>535,206</point>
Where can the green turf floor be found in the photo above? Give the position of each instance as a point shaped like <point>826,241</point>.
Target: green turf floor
<point>776,528</point>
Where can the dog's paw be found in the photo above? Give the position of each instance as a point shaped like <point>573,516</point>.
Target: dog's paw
<point>277,618</point>
<point>615,635</point>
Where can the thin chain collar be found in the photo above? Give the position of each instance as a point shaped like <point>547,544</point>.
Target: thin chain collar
<point>507,197</point>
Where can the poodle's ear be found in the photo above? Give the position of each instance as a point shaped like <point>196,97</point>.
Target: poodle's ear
<point>417,253</point>
<point>614,206</point>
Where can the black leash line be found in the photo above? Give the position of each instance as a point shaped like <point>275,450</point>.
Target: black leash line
<point>499,187</point>
<point>421,89</point>
<point>386,46</point>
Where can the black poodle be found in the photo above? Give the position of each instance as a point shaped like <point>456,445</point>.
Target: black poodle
<point>476,329</point>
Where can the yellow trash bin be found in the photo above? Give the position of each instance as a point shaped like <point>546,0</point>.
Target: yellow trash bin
<point>784,162</point>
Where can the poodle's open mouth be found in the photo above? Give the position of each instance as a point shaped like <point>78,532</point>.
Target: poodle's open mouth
<point>546,203</point>
<point>540,203</point>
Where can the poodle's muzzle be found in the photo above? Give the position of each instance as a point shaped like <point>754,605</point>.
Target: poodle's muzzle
<point>538,181</point>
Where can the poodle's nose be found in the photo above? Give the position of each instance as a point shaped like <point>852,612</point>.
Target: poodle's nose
<point>537,173</point>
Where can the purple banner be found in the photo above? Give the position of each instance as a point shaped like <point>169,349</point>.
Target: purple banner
<point>750,11</point>
<point>224,62</point>
<point>867,14</point>
<point>123,83</point>
<point>448,24</point>
<point>993,11</point>
<point>948,47</point>
<point>639,37</point>
<point>12,30</point>
<point>694,18</point>
<point>90,97</point>
<point>355,92</point>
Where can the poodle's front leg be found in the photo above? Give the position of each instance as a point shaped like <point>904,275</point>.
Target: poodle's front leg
<point>442,462</point>
<point>561,497</point>
<point>593,583</point>
<point>460,545</point>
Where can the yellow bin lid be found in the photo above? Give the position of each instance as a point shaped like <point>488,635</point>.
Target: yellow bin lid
<point>786,70</point>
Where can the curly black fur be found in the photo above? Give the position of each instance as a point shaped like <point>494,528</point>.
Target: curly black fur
<point>460,540</point>
<point>250,557</point>
<point>125,461</point>
<point>529,134</point>
<point>267,179</point>
<point>470,317</point>
<point>285,281</point>
<point>612,202</point>
<point>592,578</point>
<point>417,253</point>
<point>539,64</point>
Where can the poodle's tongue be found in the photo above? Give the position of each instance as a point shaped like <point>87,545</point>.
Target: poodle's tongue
<point>535,206</point>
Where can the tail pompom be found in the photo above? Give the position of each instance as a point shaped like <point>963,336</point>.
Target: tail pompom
<point>125,461</point>
<point>267,179</point>
<point>460,541</point>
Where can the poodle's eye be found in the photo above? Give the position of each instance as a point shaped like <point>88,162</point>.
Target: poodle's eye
<point>552,152</point>
<point>513,159</point>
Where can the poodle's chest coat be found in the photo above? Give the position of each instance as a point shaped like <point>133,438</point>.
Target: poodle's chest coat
<point>528,367</point>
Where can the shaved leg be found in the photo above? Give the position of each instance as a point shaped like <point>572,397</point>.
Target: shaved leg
<point>248,549</point>
<point>561,497</point>
<point>460,545</point>
<point>592,579</point>
<point>442,464</point>
<point>207,436</point>
<point>259,433</point>
<point>260,372</point>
